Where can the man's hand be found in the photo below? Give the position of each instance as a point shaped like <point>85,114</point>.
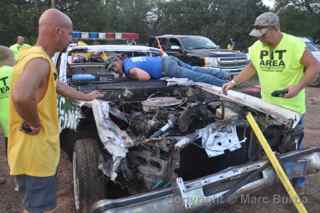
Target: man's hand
<point>30,130</point>
<point>69,92</point>
<point>93,95</point>
<point>293,90</point>
<point>247,73</point>
<point>227,86</point>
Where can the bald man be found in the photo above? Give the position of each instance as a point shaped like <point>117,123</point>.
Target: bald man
<point>6,63</point>
<point>33,147</point>
<point>19,46</point>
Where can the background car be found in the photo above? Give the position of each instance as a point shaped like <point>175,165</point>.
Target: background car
<point>200,51</point>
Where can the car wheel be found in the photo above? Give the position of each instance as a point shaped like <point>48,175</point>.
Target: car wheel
<point>88,180</point>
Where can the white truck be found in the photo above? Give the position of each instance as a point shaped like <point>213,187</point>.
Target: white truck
<point>169,145</point>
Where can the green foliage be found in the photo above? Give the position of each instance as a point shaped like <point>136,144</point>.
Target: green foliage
<point>18,18</point>
<point>300,17</point>
<point>218,19</point>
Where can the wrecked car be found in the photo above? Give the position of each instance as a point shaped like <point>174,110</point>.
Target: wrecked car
<point>168,145</point>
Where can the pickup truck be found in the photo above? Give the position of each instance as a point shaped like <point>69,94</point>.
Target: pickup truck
<point>200,51</point>
<point>168,145</point>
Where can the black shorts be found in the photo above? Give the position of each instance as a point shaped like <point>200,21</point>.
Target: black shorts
<point>39,192</point>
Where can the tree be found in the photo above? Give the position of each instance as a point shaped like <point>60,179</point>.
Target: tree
<point>217,19</point>
<point>299,17</point>
<point>311,6</point>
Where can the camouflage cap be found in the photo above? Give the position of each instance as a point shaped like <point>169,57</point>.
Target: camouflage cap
<point>267,19</point>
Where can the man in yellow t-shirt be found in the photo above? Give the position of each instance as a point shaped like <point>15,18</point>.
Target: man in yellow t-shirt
<point>6,63</point>
<point>19,46</point>
<point>33,146</point>
<point>282,63</point>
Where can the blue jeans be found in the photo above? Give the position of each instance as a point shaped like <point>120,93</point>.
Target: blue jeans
<point>298,181</point>
<point>179,69</point>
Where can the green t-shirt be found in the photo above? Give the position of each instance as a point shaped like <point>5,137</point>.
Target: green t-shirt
<point>5,77</point>
<point>278,68</point>
<point>16,48</point>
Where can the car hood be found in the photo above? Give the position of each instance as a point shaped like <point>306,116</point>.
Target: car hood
<point>216,53</point>
<point>282,115</point>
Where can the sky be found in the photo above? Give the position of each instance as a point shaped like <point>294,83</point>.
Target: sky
<point>269,3</point>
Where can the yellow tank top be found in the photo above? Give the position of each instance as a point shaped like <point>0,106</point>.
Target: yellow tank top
<point>36,155</point>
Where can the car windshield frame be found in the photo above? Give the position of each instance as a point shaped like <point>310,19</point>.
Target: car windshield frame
<point>198,42</point>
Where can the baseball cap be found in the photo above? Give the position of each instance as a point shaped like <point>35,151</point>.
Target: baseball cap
<point>262,22</point>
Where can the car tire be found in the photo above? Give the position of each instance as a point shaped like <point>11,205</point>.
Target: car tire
<point>88,181</point>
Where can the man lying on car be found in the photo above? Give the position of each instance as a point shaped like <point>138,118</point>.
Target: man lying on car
<point>148,67</point>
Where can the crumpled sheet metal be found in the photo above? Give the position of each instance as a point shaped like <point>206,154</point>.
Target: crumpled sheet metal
<point>217,140</point>
<point>280,114</point>
<point>113,138</point>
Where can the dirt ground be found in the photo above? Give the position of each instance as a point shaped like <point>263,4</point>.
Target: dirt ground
<point>272,200</point>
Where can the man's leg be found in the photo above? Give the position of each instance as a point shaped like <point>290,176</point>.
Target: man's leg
<point>39,193</point>
<point>2,179</point>
<point>6,147</point>
<point>298,182</point>
<point>215,72</point>
<point>180,63</point>
<point>177,71</point>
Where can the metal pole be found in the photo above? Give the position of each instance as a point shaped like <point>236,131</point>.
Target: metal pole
<point>276,165</point>
<point>53,4</point>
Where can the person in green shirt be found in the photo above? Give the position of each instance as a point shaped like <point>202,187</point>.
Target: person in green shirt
<point>6,63</point>
<point>282,63</point>
<point>17,47</point>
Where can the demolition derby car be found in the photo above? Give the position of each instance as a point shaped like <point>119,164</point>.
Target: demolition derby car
<point>169,145</point>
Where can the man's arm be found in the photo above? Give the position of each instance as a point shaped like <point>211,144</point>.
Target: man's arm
<point>247,73</point>
<point>139,74</point>
<point>69,92</point>
<point>28,90</point>
<point>312,67</point>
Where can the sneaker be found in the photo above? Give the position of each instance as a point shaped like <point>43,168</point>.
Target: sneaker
<point>2,180</point>
<point>16,185</point>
